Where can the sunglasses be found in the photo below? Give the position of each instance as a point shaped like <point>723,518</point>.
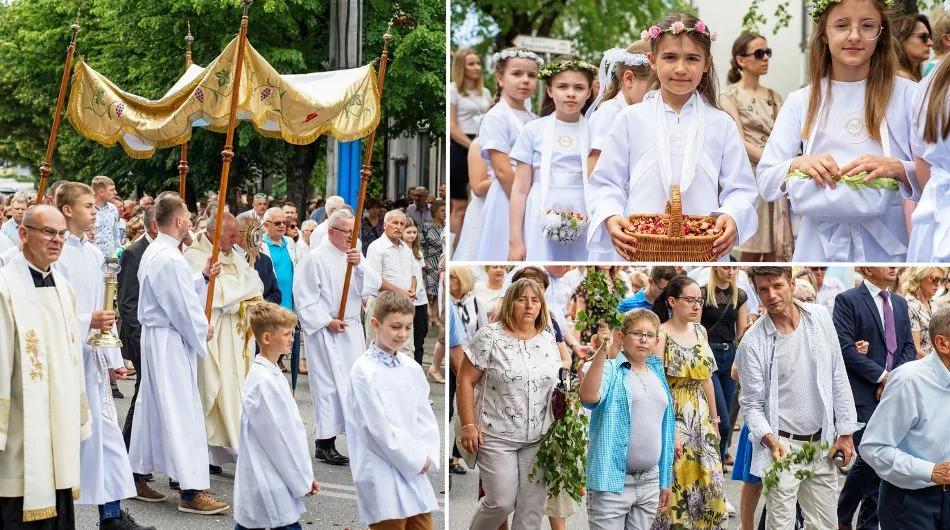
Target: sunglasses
<point>759,54</point>
<point>936,280</point>
<point>260,196</point>
<point>276,223</point>
<point>925,37</point>
<point>292,225</point>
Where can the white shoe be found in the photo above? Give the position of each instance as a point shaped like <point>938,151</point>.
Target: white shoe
<point>730,509</point>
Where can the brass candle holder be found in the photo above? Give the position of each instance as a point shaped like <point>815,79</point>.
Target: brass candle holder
<point>104,338</point>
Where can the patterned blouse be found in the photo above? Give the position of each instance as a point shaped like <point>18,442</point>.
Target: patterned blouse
<point>431,241</point>
<point>920,321</point>
<point>513,397</point>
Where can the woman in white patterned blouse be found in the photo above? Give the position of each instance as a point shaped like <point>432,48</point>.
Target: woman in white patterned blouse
<point>920,284</point>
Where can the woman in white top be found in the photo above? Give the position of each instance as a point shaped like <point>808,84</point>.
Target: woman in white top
<point>551,172</point>
<point>420,323</point>
<point>854,118</point>
<point>516,72</point>
<point>489,292</point>
<point>469,100</point>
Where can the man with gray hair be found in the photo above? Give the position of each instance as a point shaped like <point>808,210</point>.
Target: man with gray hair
<point>419,210</point>
<point>905,441</point>
<point>393,260</point>
<point>332,345</point>
<point>18,206</point>
<point>282,252</point>
<point>334,203</point>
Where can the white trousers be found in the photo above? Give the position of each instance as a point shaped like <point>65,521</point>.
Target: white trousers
<point>818,495</point>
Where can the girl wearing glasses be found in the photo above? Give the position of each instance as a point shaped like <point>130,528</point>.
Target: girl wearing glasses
<point>852,124</point>
<point>698,498</point>
<point>754,108</point>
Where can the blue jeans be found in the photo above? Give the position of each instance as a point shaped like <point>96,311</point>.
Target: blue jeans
<point>110,510</point>
<point>188,495</point>
<point>292,526</point>
<point>725,388</point>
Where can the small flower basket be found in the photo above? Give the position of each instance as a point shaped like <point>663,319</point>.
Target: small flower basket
<point>562,226</point>
<point>672,236</point>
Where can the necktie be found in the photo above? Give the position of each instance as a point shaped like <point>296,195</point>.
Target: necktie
<point>890,335</point>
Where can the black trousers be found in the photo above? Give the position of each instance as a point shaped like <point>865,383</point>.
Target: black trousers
<point>11,514</point>
<point>860,487</point>
<point>901,509</point>
<point>420,328</point>
<point>135,355</point>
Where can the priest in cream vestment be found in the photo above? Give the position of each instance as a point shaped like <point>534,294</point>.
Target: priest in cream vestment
<point>332,345</point>
<point>41,380</point>
<point>230,353</point>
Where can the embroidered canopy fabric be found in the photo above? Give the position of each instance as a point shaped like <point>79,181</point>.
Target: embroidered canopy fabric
<point>298,108</point>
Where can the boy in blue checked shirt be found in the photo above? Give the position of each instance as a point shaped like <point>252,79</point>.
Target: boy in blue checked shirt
<point>630,457</point>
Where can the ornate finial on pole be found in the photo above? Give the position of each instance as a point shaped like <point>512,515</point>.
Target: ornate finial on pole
<point>188,38</point>
<point>75,26</point>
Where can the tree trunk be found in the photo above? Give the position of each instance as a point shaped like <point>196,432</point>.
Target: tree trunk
<point>299,170</point>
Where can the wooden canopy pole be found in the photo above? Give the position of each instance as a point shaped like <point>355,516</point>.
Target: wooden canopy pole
<point>47,168</point>
<point>183,162</point>
<point>365,172</point>
<point>228,153</point>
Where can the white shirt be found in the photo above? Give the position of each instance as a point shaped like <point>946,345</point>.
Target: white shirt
<point>799,403</point>
<point>5,242</point>
<point>497,132</point>
<point>394,263</point>
<point>602,120</point>
<point>830,288</point>
<point>487,301</point>
<point>469,108</point>
<point>559,294</point>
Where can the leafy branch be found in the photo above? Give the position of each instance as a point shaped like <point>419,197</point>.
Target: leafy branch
<point>561,459</point>
<point>808,454</point>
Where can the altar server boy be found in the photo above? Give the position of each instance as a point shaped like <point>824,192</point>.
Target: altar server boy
<point>273,467</point>
<point>392,434</point>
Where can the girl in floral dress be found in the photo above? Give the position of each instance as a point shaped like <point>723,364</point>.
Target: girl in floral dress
<point>698,499</point>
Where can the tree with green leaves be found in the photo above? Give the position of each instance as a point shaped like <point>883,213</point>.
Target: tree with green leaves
<point>755,20</point>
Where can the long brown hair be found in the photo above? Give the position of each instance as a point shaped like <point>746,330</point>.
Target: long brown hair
<point>903,28</point>
<point>880,82</point>
<point>500,71</point>
<point>740,47</point>
<point>937,123</point>
<point>615,83</point>
<point>547,102</point>
<point>458,71</point>
<point>708,85</point>
<point>416,246</point>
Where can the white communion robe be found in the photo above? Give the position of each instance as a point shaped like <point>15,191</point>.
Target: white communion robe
<point>843,134</point>
<point>168,430</point>
<point>318,289</point>
<point>629,176</point>
<point>930,234</point>
<point>105,473</point>
<point>221,373</point>
<point>391,430</point>
<point>273,467</point>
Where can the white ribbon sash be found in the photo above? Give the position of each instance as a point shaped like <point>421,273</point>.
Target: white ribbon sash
<point>695,138</point>
<point>547,154</point>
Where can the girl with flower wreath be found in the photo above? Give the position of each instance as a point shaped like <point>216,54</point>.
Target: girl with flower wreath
<point>516,74</point>
<point>547,214</point>
<point>840,147</point>
<point>677,136</point>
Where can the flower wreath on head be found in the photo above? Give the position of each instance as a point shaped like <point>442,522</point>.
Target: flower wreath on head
<point>557,67</point>
<point>816,8</point>
<point>676,28</point>
<point>512,54</point>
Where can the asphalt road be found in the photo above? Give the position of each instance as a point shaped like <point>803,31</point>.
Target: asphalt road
<point>333,507</point>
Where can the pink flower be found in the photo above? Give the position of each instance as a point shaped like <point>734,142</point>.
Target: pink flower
<point>713,36</point>
<point>677,27</point>
<point>700,26</point>
<point>645,36</point>
<point>655,31</point>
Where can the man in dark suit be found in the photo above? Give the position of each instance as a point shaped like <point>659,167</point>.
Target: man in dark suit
<point>870,312</point>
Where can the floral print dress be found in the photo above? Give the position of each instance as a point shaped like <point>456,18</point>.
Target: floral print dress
<point>698,498</point>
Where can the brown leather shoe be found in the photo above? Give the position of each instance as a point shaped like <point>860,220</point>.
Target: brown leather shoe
<point>146,494</point>
<point>203,504</point>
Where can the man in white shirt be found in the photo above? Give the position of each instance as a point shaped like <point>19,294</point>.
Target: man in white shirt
<point>827,287</point>
<point>107,216</point>
<point>393,260</point>
<point>562,283</point>
<point>258,207</point>
<point>319,234</point>
<point>18,206</point>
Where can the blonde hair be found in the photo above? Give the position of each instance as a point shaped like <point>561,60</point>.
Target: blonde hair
<point>638,281</point>
<point>880,81</point>
<point>937,122</point>
<point>69,192</point>
<point>711,288</point>
<point>392,302</point>
<point>101,182</point>
<point>268,317</point>
<point>940,22</point>
<point>458,71</point>
<point>506,315</point>
<point>640,314</point>
<point>915,275</point>
<point>465,277</point>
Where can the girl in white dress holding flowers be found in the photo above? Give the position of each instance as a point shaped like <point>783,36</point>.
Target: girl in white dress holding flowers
<point>548,218</point>
<point>516,73</point>
<point>678,135</point>
<point>853,126</point>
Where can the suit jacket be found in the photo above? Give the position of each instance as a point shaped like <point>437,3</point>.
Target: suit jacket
<point>856,318</point>
<point>265,269</point>
<point>130,331</point>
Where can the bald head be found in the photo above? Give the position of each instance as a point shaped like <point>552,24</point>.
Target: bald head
<point>38,247</point>
<point>230,232</point>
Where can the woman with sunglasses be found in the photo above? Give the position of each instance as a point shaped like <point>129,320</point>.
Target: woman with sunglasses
<point>920,285</point>
<point>754,108</point>
<point>912,44</point>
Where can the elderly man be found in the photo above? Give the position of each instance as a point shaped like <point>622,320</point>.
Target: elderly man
<point>18,206</point>
<point>259,206</point>
<point>332,344</point>
<point>42,387</point>
<point>826,287</point>
<point>221,374</point>
<point>393,261</point>
<point>168,431</point>
<point>334,203</point>
<point>905,441</point>
<point>795,391</point>
<point>419,210</point>
<point>283,253</point>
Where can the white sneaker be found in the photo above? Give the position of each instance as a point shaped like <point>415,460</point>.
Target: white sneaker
<point>730,509</point>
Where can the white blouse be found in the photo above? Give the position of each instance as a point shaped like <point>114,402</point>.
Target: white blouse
<point>469,108</point>
<point>602,120</point>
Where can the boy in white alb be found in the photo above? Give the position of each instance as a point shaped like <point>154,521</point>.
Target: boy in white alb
<point>273,466</point>
<point>392,434</point>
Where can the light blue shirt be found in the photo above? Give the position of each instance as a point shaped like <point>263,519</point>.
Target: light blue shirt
<point>908,432</point>
<point>456,328</point>
<point>635,301</point>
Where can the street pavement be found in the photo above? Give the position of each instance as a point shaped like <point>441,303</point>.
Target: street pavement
<point>334,507</point>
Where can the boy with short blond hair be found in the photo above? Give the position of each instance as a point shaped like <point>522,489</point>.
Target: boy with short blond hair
<point>273,466</point>
<point>392,433</point>
<point>630,457</point>
<point>107,216</point>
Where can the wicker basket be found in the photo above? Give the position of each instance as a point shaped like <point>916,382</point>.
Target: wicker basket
<point>674,246</point>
